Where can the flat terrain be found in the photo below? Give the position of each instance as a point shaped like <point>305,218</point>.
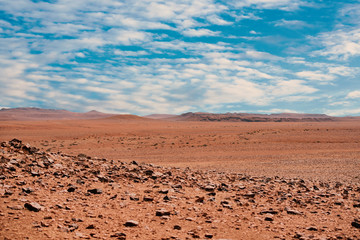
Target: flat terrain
<point>313,150</point>
<point>130,178</point>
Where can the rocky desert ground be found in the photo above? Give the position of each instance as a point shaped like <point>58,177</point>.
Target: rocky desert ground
<point>134,178</point>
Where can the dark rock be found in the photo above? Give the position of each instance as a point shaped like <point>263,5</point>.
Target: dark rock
<point>269,212</point>
<point>148,199</point>
<point>200,199</point>
<point>292,211</point>
<point>27,190</point>
<point>33,206</point>
<point>311,229</point>
<point>164,191</point>
<point>269,219</point>
<point>91,226</point>
<point>209,188</point>
<point>177,227</point>
<point>208,235</point>
<point>95,191</point>
<point>120,236</point>
<point>131,223</point>
<point>71,189</point>
<point>162,212</point>
<point>356,223</point>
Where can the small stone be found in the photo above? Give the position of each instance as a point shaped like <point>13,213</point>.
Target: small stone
<point>355,224</point>
<point>210,188</point>
<point>208,235</point>
<point>311,229</point>
<point>162,212</point>
<point>131,223</point>
<point>148,199</point>
<point>177,227</point>
<point>164,191</point>
<point>27,190</point>
<point>95,191</point>
<point>120,236</point>
<point>33,206</point>
<point>16,207</point>
<point>71,189</point>
<point>269,219</point>
<point>91,226</point>
<point>200,199</point>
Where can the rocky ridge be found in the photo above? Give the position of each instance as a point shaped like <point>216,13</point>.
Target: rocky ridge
<point>58,196</point>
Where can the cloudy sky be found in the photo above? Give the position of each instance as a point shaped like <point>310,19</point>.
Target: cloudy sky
<point>175,56</point>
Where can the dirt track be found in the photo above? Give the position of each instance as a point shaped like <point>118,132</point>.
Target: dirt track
<point>324,150</point>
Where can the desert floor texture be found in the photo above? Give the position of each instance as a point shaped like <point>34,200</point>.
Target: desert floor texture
<point>149,179</point>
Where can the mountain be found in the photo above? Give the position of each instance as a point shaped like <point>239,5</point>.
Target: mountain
<point>35,114</point>
<point>249,117</point>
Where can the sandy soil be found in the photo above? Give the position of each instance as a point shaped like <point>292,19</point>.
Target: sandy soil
<point>136,179</point>
<point>325,150</point>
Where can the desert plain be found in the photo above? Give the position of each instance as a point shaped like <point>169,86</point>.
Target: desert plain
<point>127,177</point>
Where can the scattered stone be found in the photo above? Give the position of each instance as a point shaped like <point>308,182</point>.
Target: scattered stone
<point>95,191</point>
<point>208,235</point>
<point>91,226</point>
<point>162,212</point>
<point>148,199</point>
<point>131,223</point>
<point>33,206</point>
<point>355,223</point>
<point>177,227</point>
<point>120,236</point>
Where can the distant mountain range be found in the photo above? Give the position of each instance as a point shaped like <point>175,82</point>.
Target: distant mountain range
<point>47,114</point>
<point>36,114</point>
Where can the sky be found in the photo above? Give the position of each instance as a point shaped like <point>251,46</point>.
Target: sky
<point>175,56</point>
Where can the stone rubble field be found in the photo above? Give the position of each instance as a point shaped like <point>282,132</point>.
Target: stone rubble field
<point>58,196</point>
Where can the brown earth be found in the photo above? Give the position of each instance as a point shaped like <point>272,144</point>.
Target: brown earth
<point>297,180</point>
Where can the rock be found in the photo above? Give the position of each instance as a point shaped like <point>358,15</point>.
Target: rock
<point>208,235</point>
<point>164,191</point>
<point>33,206</point>
<point>292,211</point>
<point>71,189</point>
<point>27,190</point>
<point>273,212</point>
<point>162,212</point>
<point>16,207</point>
<point>209,188</point>
<point>91,226</point>
<point>177,227</point>
<point>249,195</point>
<point>131,223</point>
<point>148,199</point>
<point>95,191</point>
<point>269,219</point>
<point>119,235</point>
<point>199,199</point>
<point>356,223</point>
<point>311,229</point>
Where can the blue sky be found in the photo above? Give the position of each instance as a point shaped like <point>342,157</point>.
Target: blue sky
<point>175,56</point>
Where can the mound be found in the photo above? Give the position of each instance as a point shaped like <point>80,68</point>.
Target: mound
<point>59,196</point>
<point>248,117</point>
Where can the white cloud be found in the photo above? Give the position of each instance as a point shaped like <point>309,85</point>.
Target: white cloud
<point>353,94</point>
<point>286,5</point>
<point>199,32</point>
<point>293,24</point>
<point>262,55</point>
<point>340,44</point>
<point>315,76</point>
<point>344,112</point>
<point>291,87</point>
